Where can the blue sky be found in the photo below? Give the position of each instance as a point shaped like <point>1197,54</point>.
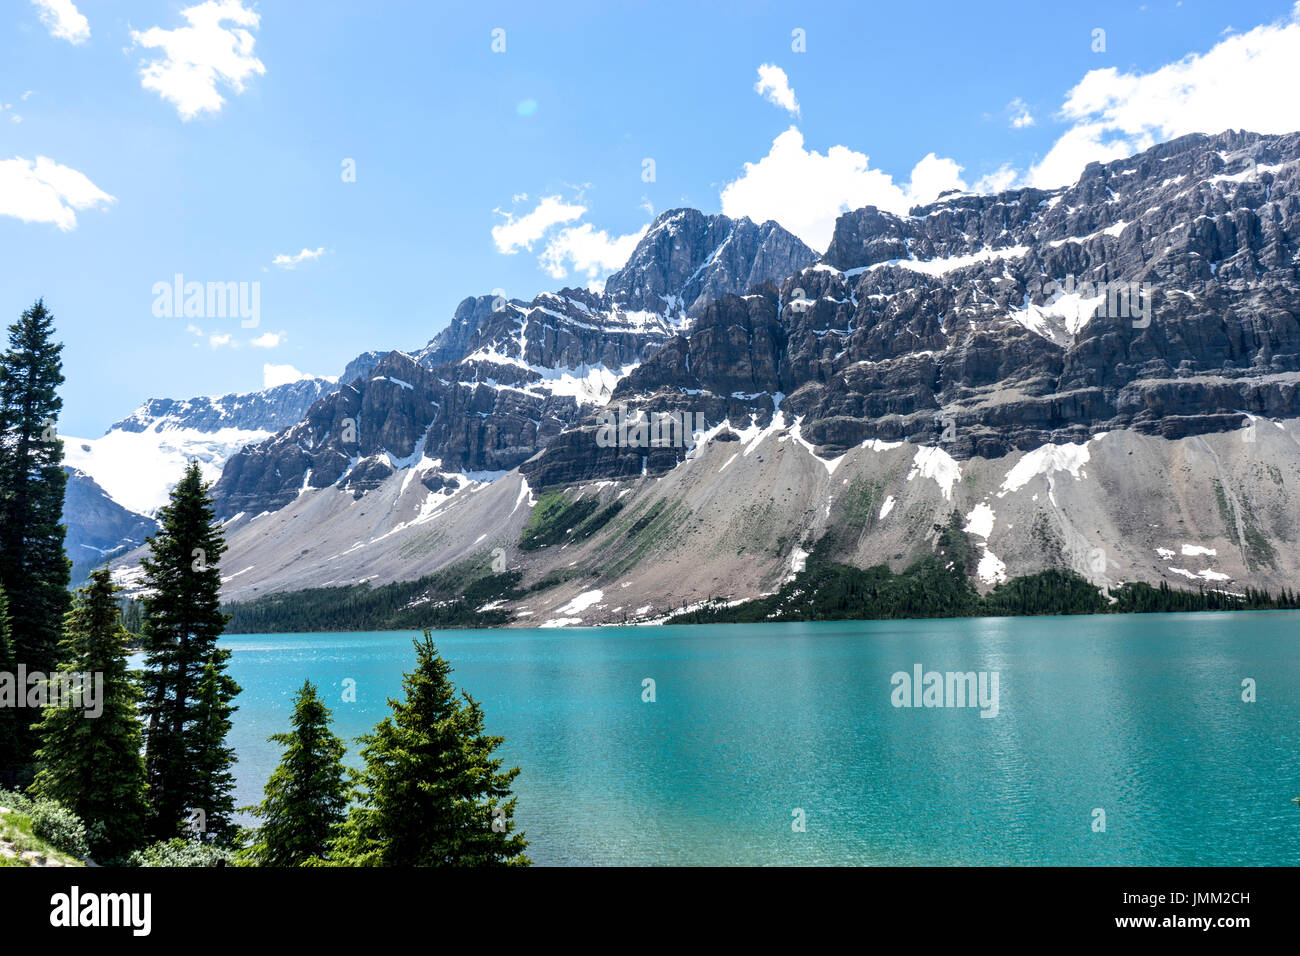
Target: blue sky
<point>210,153</point>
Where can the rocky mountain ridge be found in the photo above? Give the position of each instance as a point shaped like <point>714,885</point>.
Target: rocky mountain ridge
<point>1159,293</point>
<point>1101,378</point>
<point>506,377</point>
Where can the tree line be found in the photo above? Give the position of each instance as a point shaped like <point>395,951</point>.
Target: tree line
<point>939,585</point>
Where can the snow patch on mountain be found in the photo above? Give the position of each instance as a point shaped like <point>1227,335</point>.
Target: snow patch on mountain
<point>1046,461</point>
<point>980,521</point>
<point>934,462</point>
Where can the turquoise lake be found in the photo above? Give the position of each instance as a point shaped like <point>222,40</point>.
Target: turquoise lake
<point>1139,716</point>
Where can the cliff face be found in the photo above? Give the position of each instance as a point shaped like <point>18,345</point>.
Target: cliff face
<point>1160,293</point>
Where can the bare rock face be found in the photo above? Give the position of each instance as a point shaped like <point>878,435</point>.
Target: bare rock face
<point>688,259</point>
<point>1160,293</point>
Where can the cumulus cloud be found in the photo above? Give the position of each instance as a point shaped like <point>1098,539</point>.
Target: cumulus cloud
<point>805,190</point>
<point>45,191</point>
<point>1004,177</point>
<point>588,250</point>
<point>775,86</point>
<point>268,340</point>
<point>521,232</point>
<point>217,341</point>
<point>63,20</point>
<point>273,375</point>
<point>292,262</point>
<point>196,59</point>
<point>1018,110</point>
<point>1246,81</point>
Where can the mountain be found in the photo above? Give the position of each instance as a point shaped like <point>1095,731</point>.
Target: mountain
<point>505,378</point>
<point>140,457</point>
<point>1100,378</point>
<point>98,527</point>
<point>988,317</point>
<point>118,481</point>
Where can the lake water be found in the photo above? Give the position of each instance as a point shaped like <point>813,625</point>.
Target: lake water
<point>1141,717</point>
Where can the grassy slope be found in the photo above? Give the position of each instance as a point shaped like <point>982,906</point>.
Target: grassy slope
<point>16,838</point>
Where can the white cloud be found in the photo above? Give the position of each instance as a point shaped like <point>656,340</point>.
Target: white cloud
<point>1002,178</point>
<point>805,191</point>
<point>273,375</point>
<point>588,250</point>
<point>775,86</point>
<point>45,191</point>
<point>217,341</point>
<point>1239,84</point>
<point>196,58</point>
<point>1019,112</point>
<point>194,330</point>
<point>292,262</point>
<point>932,176</point>
<point>520,233</point>
<point>268,340</point>
<point>63,20</point>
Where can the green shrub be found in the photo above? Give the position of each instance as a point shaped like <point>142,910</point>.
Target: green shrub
<point>181,852</point>
<point>51,822</point>
<point>60,828</point>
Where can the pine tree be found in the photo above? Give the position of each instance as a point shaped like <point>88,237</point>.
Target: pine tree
<point>186,709</point>
<point>307,795</point>
<point>92,764</point>
<point>432,793</point>
<point>34,570</point>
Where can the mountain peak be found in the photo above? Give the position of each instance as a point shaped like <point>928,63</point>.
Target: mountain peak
<point>688,258</point>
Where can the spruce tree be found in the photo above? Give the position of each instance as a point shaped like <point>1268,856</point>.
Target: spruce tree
<point>432,793</point>
<point>307,795</point>
<point>186,705</point>
<point>34,570</point>
<point>91,763</point>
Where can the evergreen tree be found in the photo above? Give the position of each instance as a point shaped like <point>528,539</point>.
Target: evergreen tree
<point>432,793</point>
<point>213,784</point>
<point>187,695</point>
<point>307,795</point>
<point>8,715</point>
<point>92,764</point>
<point>131,617</point>
<point>34,570</point>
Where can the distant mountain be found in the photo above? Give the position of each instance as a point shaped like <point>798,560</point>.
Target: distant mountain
<point>98,527</point>
<point>118,481</point>
<point>1103,378</point>
<point>140,458</point>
